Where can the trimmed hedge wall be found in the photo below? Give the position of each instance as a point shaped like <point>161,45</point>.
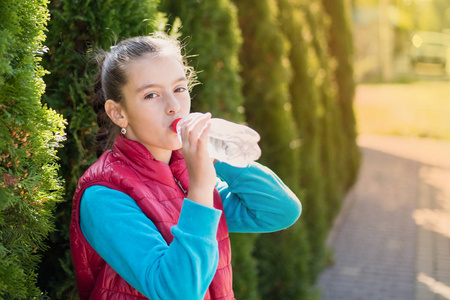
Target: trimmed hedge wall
<point>274,64</point>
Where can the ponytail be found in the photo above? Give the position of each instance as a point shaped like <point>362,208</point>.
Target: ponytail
<point>107,130</point>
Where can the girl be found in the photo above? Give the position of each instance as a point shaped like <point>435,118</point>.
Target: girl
<point>151,217</point>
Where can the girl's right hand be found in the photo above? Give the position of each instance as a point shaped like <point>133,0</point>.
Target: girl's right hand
<point>202,175</point>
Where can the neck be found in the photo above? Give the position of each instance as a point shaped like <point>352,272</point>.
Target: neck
<point>162,156</point>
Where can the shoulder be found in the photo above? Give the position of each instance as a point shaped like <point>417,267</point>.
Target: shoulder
<point>99,198</point>
<point>107,170</point>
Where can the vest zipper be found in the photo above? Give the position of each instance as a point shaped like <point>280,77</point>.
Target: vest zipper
<point>181,187</point>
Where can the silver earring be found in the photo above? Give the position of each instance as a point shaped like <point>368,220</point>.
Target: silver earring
<point>123,130</point>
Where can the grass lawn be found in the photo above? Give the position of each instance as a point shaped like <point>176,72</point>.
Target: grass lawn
<point>420,109</point>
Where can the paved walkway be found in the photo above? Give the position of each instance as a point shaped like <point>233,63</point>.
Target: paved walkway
<point>391,240</point>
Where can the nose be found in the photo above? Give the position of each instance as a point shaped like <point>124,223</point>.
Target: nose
<point>172,104</point>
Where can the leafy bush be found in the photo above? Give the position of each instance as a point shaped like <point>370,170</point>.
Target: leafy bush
<point>29,136</point>
<point>282,257</point>
<point>77,29</point>
<point>275,64</point>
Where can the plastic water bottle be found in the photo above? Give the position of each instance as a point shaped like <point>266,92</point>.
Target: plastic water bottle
<point>235,144</point>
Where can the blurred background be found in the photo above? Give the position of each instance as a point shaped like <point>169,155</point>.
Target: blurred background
<point>350,97</point>
<point>401,40</point>
<point>391,238</point>
<point>405,45</point>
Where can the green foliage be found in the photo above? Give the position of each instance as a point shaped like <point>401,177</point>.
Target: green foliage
<point>245,273</point>
<point>340,41</point>
<point>279,61</point>
<point>265,73</point>
<point>309,112</point>
<point>30,134</point>
<point>322,93</point>
<point>282,256</point>
<point>76,30</point>
<point>330,136</point>
<point>213,39</point>
<point>283,259</point>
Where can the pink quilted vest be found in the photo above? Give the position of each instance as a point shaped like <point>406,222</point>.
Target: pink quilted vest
<point>131,169</point>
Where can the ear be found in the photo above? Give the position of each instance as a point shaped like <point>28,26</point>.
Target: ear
<point>116,113</point>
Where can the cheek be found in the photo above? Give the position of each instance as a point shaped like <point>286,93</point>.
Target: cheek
<point>143,118</point>
<point>186,104</point>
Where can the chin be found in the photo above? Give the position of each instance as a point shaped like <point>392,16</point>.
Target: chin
<point>176,146</point>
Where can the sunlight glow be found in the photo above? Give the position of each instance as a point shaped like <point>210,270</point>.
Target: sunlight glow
<point>438,219</point>
<point>417,41</point>
<point>435,286</point>
<point>434,220</point>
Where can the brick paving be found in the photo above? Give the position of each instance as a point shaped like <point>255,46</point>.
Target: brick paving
<point>391,239</point>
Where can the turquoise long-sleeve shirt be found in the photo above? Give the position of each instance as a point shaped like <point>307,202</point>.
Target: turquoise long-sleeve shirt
<point>254,199</point>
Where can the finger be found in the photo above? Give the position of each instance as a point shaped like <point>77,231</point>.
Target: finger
<point>203,134</point>
<point>201,120</point>
<point>195,127</point>
<point>204,126</point>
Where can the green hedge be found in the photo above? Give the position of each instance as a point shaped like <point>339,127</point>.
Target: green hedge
<point>308,112</point>
<point>77,29</point>
<point>274,64</point>
<point>340,44</point>
<point>29,136</point>
<point>282,257</point>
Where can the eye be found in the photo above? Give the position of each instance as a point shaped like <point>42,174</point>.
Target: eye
<point>150,96</point>
<point>180,89</point>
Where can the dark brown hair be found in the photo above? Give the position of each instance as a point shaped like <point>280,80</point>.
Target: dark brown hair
<point>111,77</point>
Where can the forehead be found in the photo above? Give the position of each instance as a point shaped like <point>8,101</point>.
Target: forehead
<point>153,69</point>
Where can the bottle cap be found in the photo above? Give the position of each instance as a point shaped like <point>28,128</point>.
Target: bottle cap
<point>174,124</point>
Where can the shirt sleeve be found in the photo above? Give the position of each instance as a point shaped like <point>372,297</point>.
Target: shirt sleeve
<point>255,199</point>
<point>131,244</point>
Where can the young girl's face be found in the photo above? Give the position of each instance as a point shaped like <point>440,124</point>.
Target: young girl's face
<point>155,95</point>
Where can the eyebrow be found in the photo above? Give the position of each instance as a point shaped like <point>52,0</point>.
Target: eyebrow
<point>150,85</point>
